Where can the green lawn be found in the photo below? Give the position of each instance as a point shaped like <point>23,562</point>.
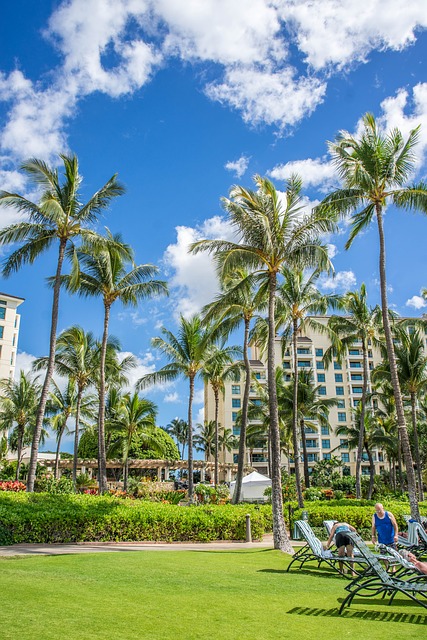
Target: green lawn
<point>218,595</point>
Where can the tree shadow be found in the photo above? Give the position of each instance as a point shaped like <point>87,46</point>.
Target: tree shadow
<point>378,616</point>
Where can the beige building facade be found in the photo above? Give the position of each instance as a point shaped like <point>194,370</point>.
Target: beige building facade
<point>341,380</point>
<point>9,333</point>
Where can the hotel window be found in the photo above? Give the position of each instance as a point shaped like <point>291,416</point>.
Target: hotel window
<point>356,376</point>
<point>337,365</point>
<point>319,353</point>
<point>235,389</point>
<point>1,332</point>
<point>357,389</point>
<point>343,443</point>
<point>326,444</point>
<point>286,364</point>
<point>14,340</point>
<point>11,360</point>
<point>321,377</point>
<point>311,444</point>
<point>356,403</point>
<point>234,415</point>
<point>325,430</point>
<point>355,365</point>
<point>322,391</point>
<point>326,456</point>
<point>236,431</point>
<point>338,377</point>
<point>2,313</point>
<point>341,404</point>
<point>345,457</point>
<point>353,352</point>
<point>319,365</point>
<point>256,402</point>
<point>339,391</point>
<point>303,352</point>
<point>312,457</point>
<point>304,363</point>
<point>235,403</point>
<point>342,416</point>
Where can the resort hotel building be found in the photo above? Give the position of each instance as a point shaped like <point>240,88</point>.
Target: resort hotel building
<point>341,380</point>
<point>9,332</point>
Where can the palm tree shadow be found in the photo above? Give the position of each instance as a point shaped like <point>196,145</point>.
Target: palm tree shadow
<point>380,616</point>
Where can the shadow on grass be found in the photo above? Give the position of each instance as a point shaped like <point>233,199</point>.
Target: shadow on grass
<point>378,616</point>
<point>319,573</point>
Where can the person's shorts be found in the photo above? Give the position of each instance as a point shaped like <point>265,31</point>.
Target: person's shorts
<point>341,540</point>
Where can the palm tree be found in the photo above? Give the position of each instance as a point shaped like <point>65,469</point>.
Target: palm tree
<point>18,409</point>
<point>361,324</point>
<point>58,216</point>
<point>272,232</point>
<point>216,372</point>
<point>238,303</point>
<point>75,359</point>
<point>374,170</point>
<point>100,270</point>
<point>412,371</point>
<point>188,353</point>
<point>178,429</point>
<point>312,409</point>
<point>63,405</point>
<point>135,418</point>
<point>205,439</point>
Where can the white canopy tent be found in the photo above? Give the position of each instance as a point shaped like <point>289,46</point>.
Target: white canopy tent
<point>253,487</point>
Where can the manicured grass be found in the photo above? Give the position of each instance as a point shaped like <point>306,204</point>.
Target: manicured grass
<point>174,595</point>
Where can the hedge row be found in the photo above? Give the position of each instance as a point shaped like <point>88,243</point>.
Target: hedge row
<point>46,518</point>
<point>359,515</point>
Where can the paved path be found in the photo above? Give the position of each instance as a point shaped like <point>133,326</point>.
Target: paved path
<point>103,547</point>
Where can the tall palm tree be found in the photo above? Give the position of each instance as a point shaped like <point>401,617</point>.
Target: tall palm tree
<point>312,410</point>
<point>106,270</point>
<point>205,439</point>
<point>75,359</point>
<point>272,233</point>
<point>135,418</point>
<point>361,324</point>
<point>60,217</point>
<point>178,429</point>
<point>412,371</point>
<point>216,372</point>
<point>237,303</point>
<point>18,409</point>
<point>374,169</point>
<point>188,353</point>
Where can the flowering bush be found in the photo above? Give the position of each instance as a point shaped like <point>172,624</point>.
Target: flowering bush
<point>12,485</point>
<point>90,492</point>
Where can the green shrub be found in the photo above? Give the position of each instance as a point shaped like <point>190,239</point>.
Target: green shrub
<point>47,518</point>
<point>47,483</point>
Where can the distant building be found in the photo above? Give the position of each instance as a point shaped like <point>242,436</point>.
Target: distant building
<point>9,332</point>
<point>342,381</point>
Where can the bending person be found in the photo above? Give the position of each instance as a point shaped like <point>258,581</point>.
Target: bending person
<point>343,543</point>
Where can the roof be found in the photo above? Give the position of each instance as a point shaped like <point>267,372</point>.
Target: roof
<point>256,363</point>
<point>8,295</point>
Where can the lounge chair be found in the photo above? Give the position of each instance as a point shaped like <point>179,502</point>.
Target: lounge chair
<point>314,551</point>
<point>376,580</point>
<point>416,540</point>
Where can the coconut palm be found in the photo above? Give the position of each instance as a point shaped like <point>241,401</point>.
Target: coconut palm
<point>188,353</point>
<point>64,404</point>
<point>178,429</point>
<point>135,418</point>
<point>375,168</point>
<point>216,372</point>
<point>18,409</point>
<point>59,217</point>
<point>272,232</point>
<point>106,270</point>
<point>75,359</point>
<point>205,439</point>
<point>361,324</point>
<point>238,303</point>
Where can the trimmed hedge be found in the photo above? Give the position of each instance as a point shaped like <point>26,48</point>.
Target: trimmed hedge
<point>357,513</point>
<point>46,518</point>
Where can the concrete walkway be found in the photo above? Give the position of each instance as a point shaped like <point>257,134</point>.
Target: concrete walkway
<point>104,547</point>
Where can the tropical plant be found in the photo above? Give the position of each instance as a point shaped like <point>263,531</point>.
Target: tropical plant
<point>178,429</point>
<point>188,353</point>
<point>374,169</point>
<point>272,232</point>
<point>106,270</point>
<point>205,439</point>
<point>362,325</point>
<point>59,216</point>
<point>18,409</point>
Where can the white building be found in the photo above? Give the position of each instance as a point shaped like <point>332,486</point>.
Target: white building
<point>9,332</point>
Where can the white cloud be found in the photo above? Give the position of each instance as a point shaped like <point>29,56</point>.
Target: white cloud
<point>416,302</point>
<point>200,418</point>
<point>343,281</point>
<point>332,250</point>
<point>314,172</point>
<point>199,396</point>
<point>239,166</point>
<point>193,281</point>
<point>144,364</point>
<point>171,397</point>
<point>24,362</point>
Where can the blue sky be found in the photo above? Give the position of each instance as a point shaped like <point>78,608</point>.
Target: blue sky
<point>183,98</point>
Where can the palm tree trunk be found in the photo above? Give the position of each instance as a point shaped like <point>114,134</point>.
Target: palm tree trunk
<point>406,449</point>
<point>102,457</point>
<point>216,472</point>
<point>304,452</point>
<point>417,447</point>
<point>21,430</point>
<point>58,448</point>
<point>281,540</point>
<point>362,418</point>
<point>371,473</point>
<point>49,372</point>
<point>243,417</point>
<point>399,462</point>
<point>125,474</point>
<point>190,442</point>
<point>295,420</point>
<point>76,437</point>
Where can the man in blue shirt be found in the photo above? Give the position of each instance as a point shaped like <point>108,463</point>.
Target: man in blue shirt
<point>384,524</point>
